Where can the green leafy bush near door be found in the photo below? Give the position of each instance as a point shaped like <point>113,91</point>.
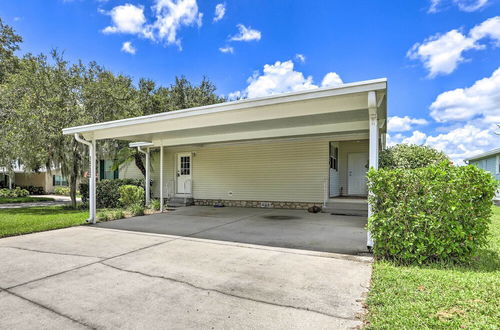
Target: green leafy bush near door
<point>439,212</point>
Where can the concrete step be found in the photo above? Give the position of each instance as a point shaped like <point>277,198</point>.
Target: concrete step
<point>179,202</point>
<point>346,207</point>
<point>338,211</point>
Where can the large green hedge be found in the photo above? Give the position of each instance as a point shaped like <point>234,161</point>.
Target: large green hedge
<point>439,212</point>
<point>410,156</point>
<point>108,194</point>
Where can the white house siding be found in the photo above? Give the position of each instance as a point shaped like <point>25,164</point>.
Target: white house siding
<point>129,171</point>
<point>286,170</point>
<point>345,148</point>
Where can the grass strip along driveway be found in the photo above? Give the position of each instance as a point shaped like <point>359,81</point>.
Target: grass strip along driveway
<point>8,200</point>
<point>439,296</point>
<point>33,219</point>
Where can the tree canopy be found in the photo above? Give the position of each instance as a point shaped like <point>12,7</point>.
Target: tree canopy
<point>42,94</point>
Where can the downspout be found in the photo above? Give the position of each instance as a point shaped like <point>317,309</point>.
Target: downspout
<point>92,190</point>
<point>147,181</point>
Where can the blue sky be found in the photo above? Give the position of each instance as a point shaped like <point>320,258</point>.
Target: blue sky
<point>440,56</point>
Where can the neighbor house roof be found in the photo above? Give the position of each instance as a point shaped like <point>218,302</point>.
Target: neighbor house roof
<point>316,111</point>
<point>485,154</point>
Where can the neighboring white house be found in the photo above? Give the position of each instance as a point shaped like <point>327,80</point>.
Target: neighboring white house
<point>488,161</point>
<point>288,150</point>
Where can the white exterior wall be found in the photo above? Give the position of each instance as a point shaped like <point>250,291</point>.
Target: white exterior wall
<point>130,171</point>
<point>286,170</point>
<point>345,148</point>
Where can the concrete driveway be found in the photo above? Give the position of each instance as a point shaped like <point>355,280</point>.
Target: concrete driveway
<point>287,228</point>
<point>94,277</point>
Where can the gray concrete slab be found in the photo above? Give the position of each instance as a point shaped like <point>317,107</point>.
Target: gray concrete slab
<point>102,278</point>
<point>296,229</point>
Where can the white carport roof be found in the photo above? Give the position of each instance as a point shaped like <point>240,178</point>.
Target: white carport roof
<point>323,111</point>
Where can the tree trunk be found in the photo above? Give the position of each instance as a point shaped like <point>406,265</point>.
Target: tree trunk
<point>139,163</point>
<point>72,189</point>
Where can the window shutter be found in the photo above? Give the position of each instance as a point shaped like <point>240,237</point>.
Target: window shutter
<point>116,174</point>
<point>101,169</point>
<point>53,180</point>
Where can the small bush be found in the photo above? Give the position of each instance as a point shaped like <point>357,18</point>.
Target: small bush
<point>131,195</point>
<point>33,190</point>
<point>116,214</point>
<point>410,156</point>
<point>107,191</point>
<point>102,216</point>
<point>154,204</point>
<point>61,191</point>
<point>440,212</point>
<point>136,210</point>
<point>13,193</point>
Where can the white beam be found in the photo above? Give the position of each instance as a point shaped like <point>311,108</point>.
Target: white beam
<point>373,145</point>
<point>161,178</point>
<point>93,174</point>
<point>270,133</point>
<point>147,179</point>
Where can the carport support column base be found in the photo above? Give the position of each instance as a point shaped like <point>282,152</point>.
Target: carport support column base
<point>373,153</point>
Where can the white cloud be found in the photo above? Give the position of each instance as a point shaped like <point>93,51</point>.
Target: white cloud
<point>169,17</point>
<point>220,11</point>
<point>488,29</point>
<point>442,53</point>
<point>469,115</point>
<point>403,124</point>
<point>300,57</point>
<point>246,34</point>
<point>227,49</point>
<point>463,5</point>
<point>126,19</point>
<point>481,100</point>
<point>331,79</point>
<point>127,47</point>
<point>281,77</point>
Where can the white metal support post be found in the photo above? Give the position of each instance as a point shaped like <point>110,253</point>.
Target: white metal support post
<point>374,143</point>
<point>147,181</point>
<point>93,174</point>
<point>161,177</point>
<point>92,178</point>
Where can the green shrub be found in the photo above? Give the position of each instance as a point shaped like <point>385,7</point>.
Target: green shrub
<point>116,214</point>
<point>61,191</point>
<point>131,195</point>
<point>107,191</point>
<point>136,210</point>
<point>410,156</point>
<point>33,190</point>
<point>154,204</point>
<point>102,216</point>
<point>19,192</point>
<point>13,193</point>
<point>440,212</point>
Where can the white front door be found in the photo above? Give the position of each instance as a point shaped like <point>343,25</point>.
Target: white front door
<point>357,166</point>
<point>184,169</point>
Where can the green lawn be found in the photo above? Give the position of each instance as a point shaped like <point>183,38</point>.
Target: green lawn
<point>439,296</point>
<point>5,200</point>
<point>32,219</point>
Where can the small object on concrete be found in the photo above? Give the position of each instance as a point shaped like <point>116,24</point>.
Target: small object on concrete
<point>314,209</point>
<point>218,204</point>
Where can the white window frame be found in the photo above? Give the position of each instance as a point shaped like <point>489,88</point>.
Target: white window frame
<point>497,165</point>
